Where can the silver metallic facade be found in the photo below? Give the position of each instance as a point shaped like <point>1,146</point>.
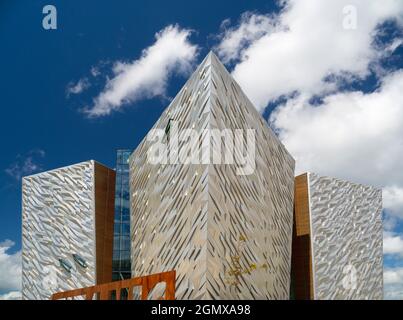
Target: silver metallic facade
<point>58,220</point>
<point>227,236</point>
<point>346,237</point>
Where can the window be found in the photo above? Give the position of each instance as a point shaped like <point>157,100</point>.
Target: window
<point>116,241</point>
<point>77,258</point>
<point>168,127</point>
<point>125,243</point>
<point>65,265</point>
<point>121,249</point>
<point>126,228</point>
<point>116,230</point>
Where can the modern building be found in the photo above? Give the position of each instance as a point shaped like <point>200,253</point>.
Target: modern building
<point>121,236</point>
<point>67,228</point>
<point>337,245</point>
<point>226,230</point>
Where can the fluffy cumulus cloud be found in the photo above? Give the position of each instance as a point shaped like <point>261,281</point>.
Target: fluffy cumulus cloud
<point>306,61</point>
<point>78,87</point>
<point>310,46</point>
<point>251,28</point>
<point>10,270</point>
<point>12,295</point>
<point>147,76</point>
<point>347,129</point>
<point>25,164</point>
<point>393,244</point>
<point>393,283</point>
<point>393,199</point>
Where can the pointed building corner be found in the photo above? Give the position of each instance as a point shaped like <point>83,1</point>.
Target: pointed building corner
<point>212,59</point>
<point>212,54</point>
<point>207,60</point>
<point>212,100</point>
<point>215,61</point>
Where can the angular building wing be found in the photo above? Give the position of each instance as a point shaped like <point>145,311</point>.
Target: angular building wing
<point>337,246</point>
<point>227,233</point>
<point>67,227</point>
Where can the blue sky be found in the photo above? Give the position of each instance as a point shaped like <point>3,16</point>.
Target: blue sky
<point>280,58</point>
<point>38,65</point>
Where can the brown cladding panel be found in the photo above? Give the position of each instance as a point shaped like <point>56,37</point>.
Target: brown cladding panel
<point>301,205</point>
<point>301,246</point>
<point>104,218</point>
<point>301,268</point>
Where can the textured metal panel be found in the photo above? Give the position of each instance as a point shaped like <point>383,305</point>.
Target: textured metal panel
<point>346,226</point>
<point>57,221</point>
<point>204,220</point>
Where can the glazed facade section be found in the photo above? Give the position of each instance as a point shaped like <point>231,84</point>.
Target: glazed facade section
<point>228,236</point>
<point>121,235</point>
<point>67,225</point>
<point>339,234</point>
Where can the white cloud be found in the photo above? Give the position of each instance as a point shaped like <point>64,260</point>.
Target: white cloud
<point>7,243</point>
<point>95,71</point>
<point>305,47</point>
<point>12,295</point>
<point>351,135</point>
<point>10,267</point>
<point>251,28</point>
<point>392,244</point>
<point>393,199</point>
<point>146,77</point>
<point>77,88</point>
<point>393,283</point>
<point>25,164</point>
<point>393,275</point>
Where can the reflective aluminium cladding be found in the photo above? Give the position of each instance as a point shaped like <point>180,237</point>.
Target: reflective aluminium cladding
<point>228,236</point>
<point>67,226</point>
<point>337,246</point>
<point>121,237</point>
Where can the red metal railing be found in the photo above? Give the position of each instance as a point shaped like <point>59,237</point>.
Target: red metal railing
<point>107,290</point>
